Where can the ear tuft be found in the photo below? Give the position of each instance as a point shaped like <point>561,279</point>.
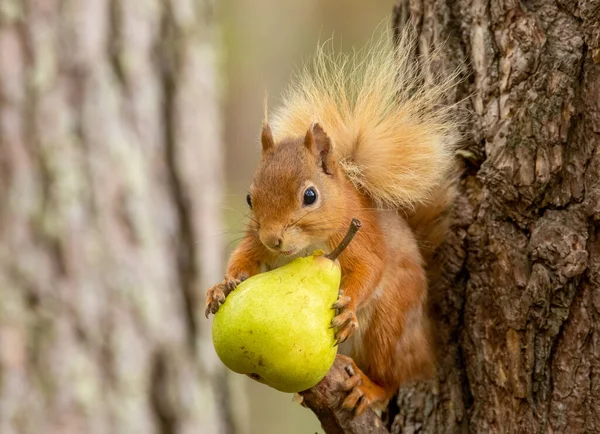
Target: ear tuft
<point>266,138</point>
<point>319,145</point>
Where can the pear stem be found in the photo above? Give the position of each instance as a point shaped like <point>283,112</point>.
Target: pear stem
<point>355,225</point>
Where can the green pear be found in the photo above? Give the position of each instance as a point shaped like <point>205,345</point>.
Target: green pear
<point>275,326</point>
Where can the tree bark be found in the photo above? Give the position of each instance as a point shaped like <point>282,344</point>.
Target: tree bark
<point>110,181</point>
<point>517,302</point>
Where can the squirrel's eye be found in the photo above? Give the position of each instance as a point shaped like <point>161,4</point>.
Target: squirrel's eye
<point>310,196</point>
<point>249,201</point>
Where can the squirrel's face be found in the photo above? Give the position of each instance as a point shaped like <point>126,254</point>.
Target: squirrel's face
<point>296,199</point>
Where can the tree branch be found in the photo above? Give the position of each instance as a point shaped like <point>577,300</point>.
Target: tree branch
<point>325,401</point>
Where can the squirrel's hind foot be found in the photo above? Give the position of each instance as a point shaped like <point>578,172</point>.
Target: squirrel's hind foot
<point>363,393</point>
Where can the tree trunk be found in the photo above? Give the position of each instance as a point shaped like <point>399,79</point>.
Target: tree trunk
<point>517,306</point>
<point>110,177</point>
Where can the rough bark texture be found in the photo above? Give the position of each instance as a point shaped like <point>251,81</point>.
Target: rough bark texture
<point>109,184</point>
<point>518,304</point>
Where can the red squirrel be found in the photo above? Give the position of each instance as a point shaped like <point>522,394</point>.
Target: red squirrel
<point>369,138</point>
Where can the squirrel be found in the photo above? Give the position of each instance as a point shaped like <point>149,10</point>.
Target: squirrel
<point>368,136</point>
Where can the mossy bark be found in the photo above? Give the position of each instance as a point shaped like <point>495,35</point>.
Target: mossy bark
<point>110,177</point>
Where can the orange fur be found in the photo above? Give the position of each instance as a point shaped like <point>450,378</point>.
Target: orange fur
<point>384,112</point>
<point>380,152</point>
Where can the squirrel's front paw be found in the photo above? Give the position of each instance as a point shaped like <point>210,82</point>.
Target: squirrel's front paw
<point>215,296</point>
<point>345,322</point>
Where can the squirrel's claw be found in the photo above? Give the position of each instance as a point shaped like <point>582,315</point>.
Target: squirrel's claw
<point>352,399</point>
<point>215,296</point>
<point>352,382</point>
<point>341,302</point>
<point>364,393</point>
<point>231,284</point>
<point>361,398</point>
<point>346,324</point>
<point>343,318</point>
<point>345,321</point>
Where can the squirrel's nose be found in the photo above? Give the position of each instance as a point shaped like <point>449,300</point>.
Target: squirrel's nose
<point>272,241</point>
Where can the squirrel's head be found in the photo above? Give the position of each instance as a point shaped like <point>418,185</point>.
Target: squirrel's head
<point>296,198</point>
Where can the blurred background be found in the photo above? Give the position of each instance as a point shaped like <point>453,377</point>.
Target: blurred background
<point>128,137</point>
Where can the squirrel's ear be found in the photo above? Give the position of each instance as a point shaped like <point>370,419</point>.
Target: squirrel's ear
<point>266,138</point>
<point>319,144</point>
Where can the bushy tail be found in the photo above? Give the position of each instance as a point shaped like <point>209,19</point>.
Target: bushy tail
<point>384,110</point>
<point>430,220</point>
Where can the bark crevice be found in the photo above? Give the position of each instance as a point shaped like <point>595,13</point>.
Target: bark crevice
<point>516,332</point>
